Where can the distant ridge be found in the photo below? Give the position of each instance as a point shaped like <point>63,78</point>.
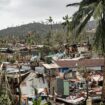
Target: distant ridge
<point>31,27</point>
<point>39,28</point>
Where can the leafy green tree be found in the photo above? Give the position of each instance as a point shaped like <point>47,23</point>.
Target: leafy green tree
<point>95,9</point>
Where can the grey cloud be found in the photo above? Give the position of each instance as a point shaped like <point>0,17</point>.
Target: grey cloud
<point>26,10</point>
<point>4,3</point>
<point>38,8</point>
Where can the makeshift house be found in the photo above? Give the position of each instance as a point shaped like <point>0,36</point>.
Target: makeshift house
<point>62,87</point>
<point>14,69</point>
<point>51,73</point>
<point>14,81</point>
<point>40,70</point>
<point>90,64</point>
<point>96,80</point>
<point>30,83</point>
<point>70,74</point>
<point>51,68</point>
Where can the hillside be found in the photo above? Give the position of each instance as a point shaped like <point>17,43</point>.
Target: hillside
<point>22,30</point>
<point>41,29</point>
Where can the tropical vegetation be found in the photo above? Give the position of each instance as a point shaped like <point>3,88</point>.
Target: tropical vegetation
<point>89,9</point>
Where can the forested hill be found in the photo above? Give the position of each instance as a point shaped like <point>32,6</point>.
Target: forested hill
<point>39,28</point>
<point>31,27</point>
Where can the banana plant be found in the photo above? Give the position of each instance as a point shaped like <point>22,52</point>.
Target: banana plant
<point>38,99</point>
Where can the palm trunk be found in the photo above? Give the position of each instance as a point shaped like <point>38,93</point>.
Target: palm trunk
<point>19,87</point>
<point>19,95</point>
<point>49,85</point>
<point>103,50</point>
<point>87,90</point>
<point>103,88</point>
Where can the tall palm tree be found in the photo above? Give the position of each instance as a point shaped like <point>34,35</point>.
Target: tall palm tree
<point>50,21</point>
<point>29,40</point>
<point>95,9</point>
<point>49,35</point>
<point>6,96</point>
<point>67,26</point>
<point>19,80</point>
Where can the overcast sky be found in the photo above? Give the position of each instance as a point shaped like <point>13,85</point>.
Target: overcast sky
<point>16,12</point>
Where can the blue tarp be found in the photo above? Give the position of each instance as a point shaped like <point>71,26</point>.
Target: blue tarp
<point>63,70</point>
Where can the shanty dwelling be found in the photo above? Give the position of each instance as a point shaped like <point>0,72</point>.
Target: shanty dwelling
<point>40,70</point>
<point>14,81</point>
<point>95,83</point>
<point>89,64</point>
<point>51,71</point>
<point>15,68</point>
<point>54,72</point>
<point>70,91</point>
<point>31,82</point>
<point>72,80</point>
<point>58,79</point>
<point>75,80</point>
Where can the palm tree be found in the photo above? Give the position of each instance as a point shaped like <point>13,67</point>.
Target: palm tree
<point>95,9</point>
<point>6,96</point>
<point>50,21</point>
<point>67,26</point>
<point>29,40</point>
<point>49,35</point>
<point>19,82</point>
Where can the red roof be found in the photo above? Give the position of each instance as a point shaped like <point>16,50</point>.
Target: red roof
<point>82,62</point>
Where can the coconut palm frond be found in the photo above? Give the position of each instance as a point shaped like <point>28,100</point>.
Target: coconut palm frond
<point>98,11</point>
<point>84,9</point>
<point>88,2</point>
<point>87,9</point>
<point>73,4</point>
<point>82,16</point>
<point>66,18</point>
<point>50,20</point>
<point>99,41</point>
<point>98,38</point>
<point>67,22</point>
<point>82,25</point>
<point>82,3</point>
<point>63,24</point>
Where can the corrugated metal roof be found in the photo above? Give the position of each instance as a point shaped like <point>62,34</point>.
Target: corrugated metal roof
<point>82,62</point>
<point>50,66</point>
